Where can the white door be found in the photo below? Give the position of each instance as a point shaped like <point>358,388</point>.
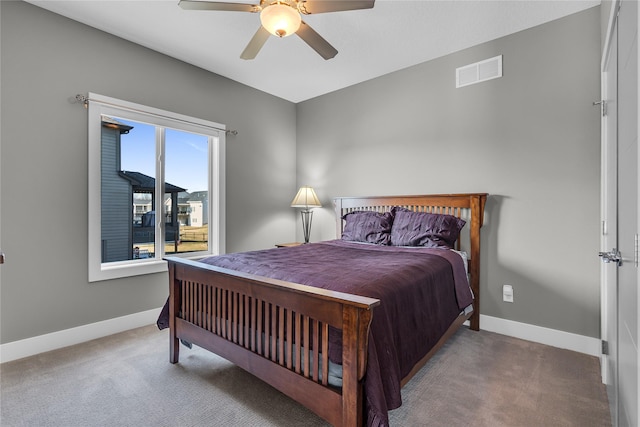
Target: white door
<point>620,216</point>
<point>609,273</point>
<point>628,213</point>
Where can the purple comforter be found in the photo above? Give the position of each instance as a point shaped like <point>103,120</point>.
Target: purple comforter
<point>422,290</point>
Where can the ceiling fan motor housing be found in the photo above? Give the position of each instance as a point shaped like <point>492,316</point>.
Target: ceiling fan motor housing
<point>280,18</point>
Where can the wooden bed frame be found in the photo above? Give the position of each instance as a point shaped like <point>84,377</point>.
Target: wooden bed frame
<point>268,327</point>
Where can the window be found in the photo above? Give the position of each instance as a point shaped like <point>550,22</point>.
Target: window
<point>156,188</point>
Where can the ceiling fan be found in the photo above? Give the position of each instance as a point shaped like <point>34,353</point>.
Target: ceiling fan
<point>283,18</point>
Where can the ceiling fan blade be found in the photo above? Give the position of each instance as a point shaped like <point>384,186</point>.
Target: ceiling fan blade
<point>214,5</point>
<point>315,40</point>
<point>255,44</point>
<point>309,7</point>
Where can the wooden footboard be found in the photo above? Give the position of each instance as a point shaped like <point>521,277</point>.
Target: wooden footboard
<point>276,330</point>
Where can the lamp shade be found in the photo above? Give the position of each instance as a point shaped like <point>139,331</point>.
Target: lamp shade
<point>306,198</point>
<point>280,19</point>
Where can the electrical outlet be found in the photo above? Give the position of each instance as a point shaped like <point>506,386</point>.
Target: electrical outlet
<point>507,293</point>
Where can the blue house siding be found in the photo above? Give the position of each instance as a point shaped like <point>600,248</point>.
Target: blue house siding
<point>117,215</point>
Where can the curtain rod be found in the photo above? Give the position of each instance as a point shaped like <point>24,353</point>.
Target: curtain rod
<point>85,101</point>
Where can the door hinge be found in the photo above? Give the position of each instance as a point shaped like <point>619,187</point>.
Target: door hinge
<point>603,106</point>
<point>605,347</point>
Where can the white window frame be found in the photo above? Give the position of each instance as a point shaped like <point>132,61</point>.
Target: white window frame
<point>99,105</point>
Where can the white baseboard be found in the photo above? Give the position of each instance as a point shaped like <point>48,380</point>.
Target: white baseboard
<point>31,346</point>
<point>55,340</point>
<point>539,334</point>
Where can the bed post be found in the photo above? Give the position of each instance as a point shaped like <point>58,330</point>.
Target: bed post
<point>355,333</point>
<point>477,215</point>
<point>174,308</point>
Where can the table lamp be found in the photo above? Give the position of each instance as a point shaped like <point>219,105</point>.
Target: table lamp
<point>306,199</point>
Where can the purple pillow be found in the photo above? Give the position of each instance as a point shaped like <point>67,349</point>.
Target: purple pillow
<point>425,229</point>
<point>368,226</point>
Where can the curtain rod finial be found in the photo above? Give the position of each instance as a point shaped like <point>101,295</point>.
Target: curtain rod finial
<point>83,99</point>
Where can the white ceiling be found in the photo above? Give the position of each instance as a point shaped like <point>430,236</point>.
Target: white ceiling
<point>395,34</point>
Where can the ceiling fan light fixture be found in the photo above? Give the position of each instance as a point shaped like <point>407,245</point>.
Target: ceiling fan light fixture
<point>280,19</point>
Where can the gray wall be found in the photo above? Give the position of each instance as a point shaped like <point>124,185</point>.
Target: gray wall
<point>531,139</point>
<point>46,59</point>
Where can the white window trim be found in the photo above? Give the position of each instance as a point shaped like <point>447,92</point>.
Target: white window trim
<point>102,105</point>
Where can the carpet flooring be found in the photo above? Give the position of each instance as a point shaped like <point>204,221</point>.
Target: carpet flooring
<point>476,379</point>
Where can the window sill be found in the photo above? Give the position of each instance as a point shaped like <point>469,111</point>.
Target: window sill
<point>116,271</point>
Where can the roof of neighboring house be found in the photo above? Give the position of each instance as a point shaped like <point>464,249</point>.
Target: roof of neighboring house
<point>183,197</point>
<point>142,198</point>
<point>144,183</point>
<point>199,195</point>
<point>110,122</point>
<point>196,196</point>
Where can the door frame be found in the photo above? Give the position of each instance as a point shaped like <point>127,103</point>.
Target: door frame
<point>638,219</point>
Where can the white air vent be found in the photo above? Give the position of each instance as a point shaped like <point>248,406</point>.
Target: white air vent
<point>479,72</point>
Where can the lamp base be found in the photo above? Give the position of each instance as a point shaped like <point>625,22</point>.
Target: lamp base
<point>307,216</point>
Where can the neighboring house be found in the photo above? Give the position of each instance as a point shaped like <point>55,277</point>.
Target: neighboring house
<point>142,203</point>
<point>199,208</point>
<point>192,208</point>
<point>125,223</point>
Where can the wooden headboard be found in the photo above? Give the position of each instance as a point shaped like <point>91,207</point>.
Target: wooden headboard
<point>469,207</point>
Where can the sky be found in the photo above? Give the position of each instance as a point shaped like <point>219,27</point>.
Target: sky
<point>186,156</point>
